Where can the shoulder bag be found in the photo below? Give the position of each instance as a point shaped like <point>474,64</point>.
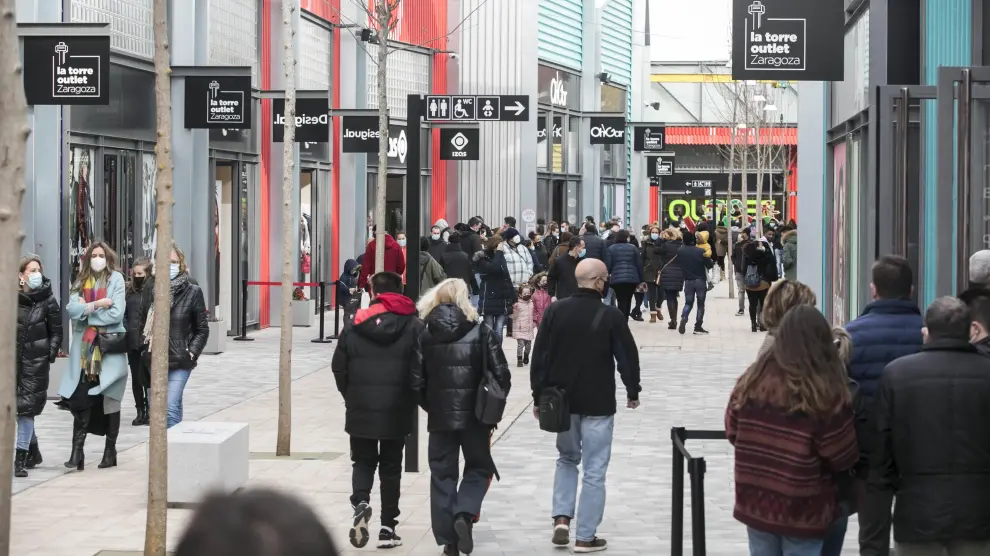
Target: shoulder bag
<point>489,405</point>
<point>674,258</point>
<point>111,343</point>
<point>554,410</point>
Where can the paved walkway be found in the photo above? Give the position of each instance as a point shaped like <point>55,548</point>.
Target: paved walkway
<point>686,380</point>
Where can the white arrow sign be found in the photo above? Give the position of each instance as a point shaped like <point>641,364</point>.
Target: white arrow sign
<point>518,108</point>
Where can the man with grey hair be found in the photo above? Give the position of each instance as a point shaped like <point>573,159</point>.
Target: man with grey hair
<point>933,445</point>
<point>979,269</point>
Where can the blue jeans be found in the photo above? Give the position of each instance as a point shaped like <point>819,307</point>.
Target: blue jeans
<point>694,288</point>
<point>836,534</point>
<point>25,431</point>
<point>609,294</point>
<point>589,438</point>
<point>176,384</point>
<point>496,323</point>
<point>768,544</point>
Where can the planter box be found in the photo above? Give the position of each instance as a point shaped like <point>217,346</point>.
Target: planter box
<point>58,369</point>
<point>217,342</point>
<point>302,312</point>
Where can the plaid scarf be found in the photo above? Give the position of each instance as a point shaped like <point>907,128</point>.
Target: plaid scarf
<point>91,357</point>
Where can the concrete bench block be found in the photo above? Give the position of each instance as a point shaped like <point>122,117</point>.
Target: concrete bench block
<point>204,457</point>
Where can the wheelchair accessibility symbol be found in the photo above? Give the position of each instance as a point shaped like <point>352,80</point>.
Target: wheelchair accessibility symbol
<point>463,108</point>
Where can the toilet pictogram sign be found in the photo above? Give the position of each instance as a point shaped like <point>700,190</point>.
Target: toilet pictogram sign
<point>490,108</point>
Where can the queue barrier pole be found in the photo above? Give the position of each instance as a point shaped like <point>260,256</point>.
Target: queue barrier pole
<point>336,316</point>
<point>321,301</point>
<point>244,298</point>
<point>696,468</point>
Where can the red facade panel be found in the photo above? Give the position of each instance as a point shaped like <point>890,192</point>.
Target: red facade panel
<point>713,135</point>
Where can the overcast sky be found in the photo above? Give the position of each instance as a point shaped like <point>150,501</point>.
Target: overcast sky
<point>689,30</point>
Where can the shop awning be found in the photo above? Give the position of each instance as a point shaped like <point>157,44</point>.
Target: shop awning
<point>713,135</point>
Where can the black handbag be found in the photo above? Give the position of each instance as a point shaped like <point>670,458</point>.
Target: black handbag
<point>111,343</point>
<point>555,414</point>
<point>489,406</point>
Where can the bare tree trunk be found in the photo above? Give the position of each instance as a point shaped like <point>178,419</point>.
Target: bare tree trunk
<point>154,537</point>
<point>759,172</point>
<point>289,234</point>
<point>13,149</point>
<point>728,199</point>
<point>383,16</point>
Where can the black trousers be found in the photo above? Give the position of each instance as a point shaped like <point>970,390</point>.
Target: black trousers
<point>672,296</point>
<point>447,498</point>
<point>653,291</point>
<point>139,378</point>
<point>623,297</point>
<point>637,309</point>
<point>756,299</point>
<point>386,455</point>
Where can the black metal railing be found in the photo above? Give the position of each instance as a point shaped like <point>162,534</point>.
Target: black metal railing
<point>696,470</point>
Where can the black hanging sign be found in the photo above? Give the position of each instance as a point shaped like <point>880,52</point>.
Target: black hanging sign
<point>608,131</point>
<point>649,138</point>
<point>312,120</point>
<point>66,70</point>
<point>788,40</point>
<point>359,134</point>
<point>218,102</point>
<point>657,166</point>
<point>460,144</point>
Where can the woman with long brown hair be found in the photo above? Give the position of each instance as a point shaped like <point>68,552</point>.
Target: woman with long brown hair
<point>790,418</point>
<point>783,296</point>
<point>96,376</point>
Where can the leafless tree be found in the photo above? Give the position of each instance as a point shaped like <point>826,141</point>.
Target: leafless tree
<point>13,149</point>
<point>284,439</point>
<point>155,524</point>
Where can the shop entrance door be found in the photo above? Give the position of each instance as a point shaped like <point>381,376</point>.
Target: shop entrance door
<point>235,242</point>
<point>963,176</point>
<point>117,205</point>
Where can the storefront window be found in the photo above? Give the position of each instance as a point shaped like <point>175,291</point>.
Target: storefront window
<point>572,201</point>
<point>80,205</point>
<point>853,235</point>
<point>558,144</point>
<point>574,145</point>
<point>541,141</point>
<point>607,159</point>
<point>839,235</point>
<point>613,99</point>
<point>149,212</point>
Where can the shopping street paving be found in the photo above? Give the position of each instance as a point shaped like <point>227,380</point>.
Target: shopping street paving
<point>686,380</point>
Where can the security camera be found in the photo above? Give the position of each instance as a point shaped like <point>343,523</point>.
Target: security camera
<point>453,55</point>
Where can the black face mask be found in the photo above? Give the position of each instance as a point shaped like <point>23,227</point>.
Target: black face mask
<point>138,282</point>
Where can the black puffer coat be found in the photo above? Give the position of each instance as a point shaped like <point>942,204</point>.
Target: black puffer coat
<point>132,320</point>
<point>39,336</point>
<point>188,329</point>
<point>497,293</point>
<point>671,274</point>
<point>448,381</point>
<point>651,260</point>
<point>457,264</point>
<point>373,364</point>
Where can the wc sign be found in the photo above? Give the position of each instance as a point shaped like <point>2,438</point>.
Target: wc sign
<point>66,70</point>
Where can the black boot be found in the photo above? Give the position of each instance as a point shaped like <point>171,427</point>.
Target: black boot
<point>526,359</point>
<point>20,462</point>
<point>519,361</point>
<point>79,423</point>
<point>34,456</point>
<point>110,451</point>
<point>142,417</point>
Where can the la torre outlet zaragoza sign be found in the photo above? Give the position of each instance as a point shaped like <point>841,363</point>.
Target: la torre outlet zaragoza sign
<point>788,40</point>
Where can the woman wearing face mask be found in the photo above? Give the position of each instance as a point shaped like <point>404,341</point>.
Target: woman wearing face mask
<point>400,238</point>
<point>497,293</point>
<point>187,333</point>
<point>651,269</point>
<point>94,381</point>
<point>140,379</point>
<point>39,335</point>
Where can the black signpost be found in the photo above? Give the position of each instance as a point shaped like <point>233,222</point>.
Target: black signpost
<point>218,102</point>
<point>67,70</point>
<point>786,40</point>
<point>443,112</point>
<point>312,120</point>
<point>649,138</point>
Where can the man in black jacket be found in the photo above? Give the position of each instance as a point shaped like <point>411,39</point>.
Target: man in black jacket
<point>933,445</point>
<point>457,264</point>
<point>695,265</point>
<point>561,279</point>
<point>470,240</point>
<point>978,301</point>
<point>373,366</point>
<point>577,347</point>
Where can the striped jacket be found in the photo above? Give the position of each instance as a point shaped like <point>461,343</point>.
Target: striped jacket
<point>786,463</point>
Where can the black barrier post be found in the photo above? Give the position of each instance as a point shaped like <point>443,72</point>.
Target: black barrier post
<point>414,183</point>
<point>322,294</point>
<point>244,304</point>
<point>677,494</point>
<point>336,321</point>
<point>696,467</point>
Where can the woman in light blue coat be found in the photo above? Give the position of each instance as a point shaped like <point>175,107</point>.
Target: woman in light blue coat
<point>94,381</point>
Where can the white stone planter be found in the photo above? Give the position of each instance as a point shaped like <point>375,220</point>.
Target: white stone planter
<point>302,312</point>
<point>217,342</point>
<point>58,369</point>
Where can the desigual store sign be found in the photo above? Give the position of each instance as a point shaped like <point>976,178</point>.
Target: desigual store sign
<point>559,89</point>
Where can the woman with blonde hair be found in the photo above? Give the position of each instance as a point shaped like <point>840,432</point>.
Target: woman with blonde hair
<point>670,277</point>
<point>457,350</point>
<point>782,297</point>
<point>790,419</point>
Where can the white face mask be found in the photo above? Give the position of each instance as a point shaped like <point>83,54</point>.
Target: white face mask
<point>516,240</point>
<point>97,264</point>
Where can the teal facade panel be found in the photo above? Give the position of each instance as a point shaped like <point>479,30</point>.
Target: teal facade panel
<point>947,42</point>
<point>616,39</point>
<point>561,32</point>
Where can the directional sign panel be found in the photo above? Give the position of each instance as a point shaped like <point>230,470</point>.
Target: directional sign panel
<point>460,144</point>
<point>515,108</point>
<point>489,108</point>
<point>462,108</point>
<point>438,108</point>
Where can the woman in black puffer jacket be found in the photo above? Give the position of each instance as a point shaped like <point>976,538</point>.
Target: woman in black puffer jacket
<point>140,377</point>
<point>651,271</point>
<point>497,293</point>
<point>39,336</point>
<point>187,333</point>
<point>456,349</point>
<point>626,271</point>
<point>671,277</point>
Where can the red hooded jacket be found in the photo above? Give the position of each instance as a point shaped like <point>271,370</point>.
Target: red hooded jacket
<point>394,261</point>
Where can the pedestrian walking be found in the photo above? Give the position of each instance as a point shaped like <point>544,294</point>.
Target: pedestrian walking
<point>395,258</point>
<point>430,271</point>
<point>978,301</point>
<point>458,352</point>
<point>670,277</point>
<point>931,448</point>
<point>652,256</point>
<point>783,296</point>
<point>457,264</point>
<point>626,273</point>
<point>437,244</point>
<point>497,293</point>
<point>39,337</point>
<point>562,280</point>
<point>739,269</point>
<point>790,419</point>
<point>373,367</point>
<point>541,297</point>
<point>788,259</point>
<point>760,273</point>
<point>695,264</point>
<point>523,323</point>
<point>579,346</point>
<point>140,371</point>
